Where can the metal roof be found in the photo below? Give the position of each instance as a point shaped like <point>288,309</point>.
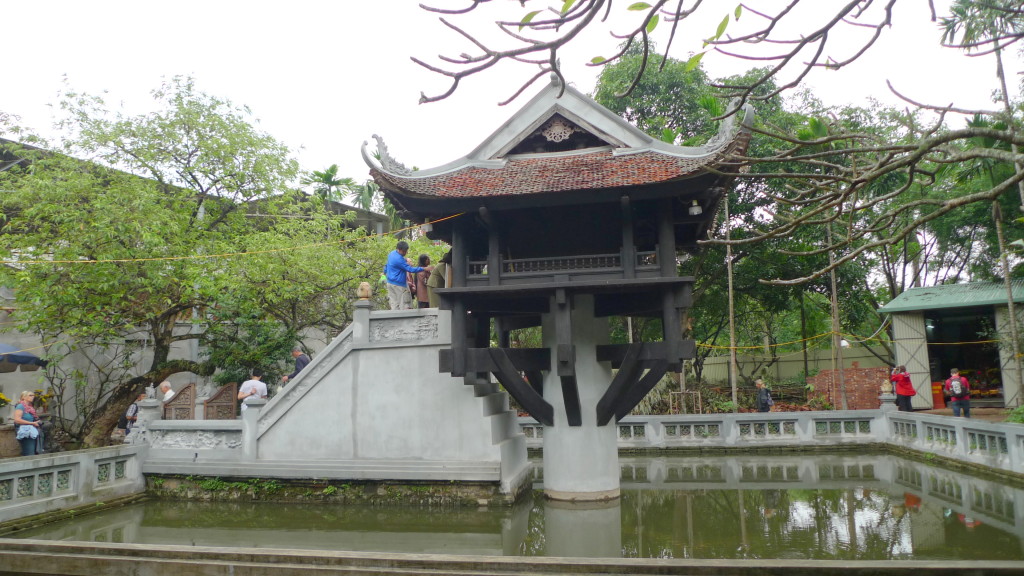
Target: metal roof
<point>970,295</point>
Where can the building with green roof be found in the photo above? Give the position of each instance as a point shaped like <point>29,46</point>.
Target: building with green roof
<point>962,326</point>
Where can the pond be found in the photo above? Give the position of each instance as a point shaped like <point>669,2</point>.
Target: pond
<point>835,507</point>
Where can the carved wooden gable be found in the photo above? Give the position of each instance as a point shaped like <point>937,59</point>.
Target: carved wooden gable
<point>558,134</point>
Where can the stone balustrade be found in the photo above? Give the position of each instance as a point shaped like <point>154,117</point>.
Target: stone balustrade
<point>51,482</point>
<point>995,445</point>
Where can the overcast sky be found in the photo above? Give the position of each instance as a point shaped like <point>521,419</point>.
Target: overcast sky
<point>324,76</point>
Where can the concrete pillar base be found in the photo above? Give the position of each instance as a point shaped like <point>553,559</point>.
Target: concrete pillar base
<point>581,463</point>
<point>598,496</point>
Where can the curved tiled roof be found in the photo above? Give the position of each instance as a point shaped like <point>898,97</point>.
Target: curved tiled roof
<point>536,174</point>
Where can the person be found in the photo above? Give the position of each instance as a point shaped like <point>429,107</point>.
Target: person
<point>763,402</point>
<point>959,393</point>
<point>438,279</point>
<point>166,390</point>
<point>399,296</point>
<point>254,386</point>
<point>422,294</point>
<point>301,361</point>
<point>904,388</point>
<point>131,415</point>
<point>410,280</point>
<point>29,433</point>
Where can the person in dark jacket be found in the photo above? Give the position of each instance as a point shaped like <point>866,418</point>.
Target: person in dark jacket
<point>301,361</point>
<point>763,402</point>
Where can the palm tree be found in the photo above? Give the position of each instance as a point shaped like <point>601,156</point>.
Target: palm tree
<point>327,184</point>
<point>364,195</point>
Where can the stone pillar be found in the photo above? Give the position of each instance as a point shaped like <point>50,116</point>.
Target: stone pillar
<point>361,321</point>
<point>887,397</point>
<point>251,429</point>
<point>150,410</point>
<point>581,463</point>
<point>583,529</point>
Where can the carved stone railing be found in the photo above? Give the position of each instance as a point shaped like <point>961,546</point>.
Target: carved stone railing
<point>181,406</point>
<point>223,404</point>
<point>46,483</point>
<point>995,445</point>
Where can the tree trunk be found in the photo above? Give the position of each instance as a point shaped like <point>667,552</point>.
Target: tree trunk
<point>103,419</point>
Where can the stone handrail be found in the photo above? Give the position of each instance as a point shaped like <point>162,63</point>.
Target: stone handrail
<point>996,445</point>
<point>48,483</point>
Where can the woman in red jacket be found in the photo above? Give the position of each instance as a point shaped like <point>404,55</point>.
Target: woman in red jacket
<point>904,388</point>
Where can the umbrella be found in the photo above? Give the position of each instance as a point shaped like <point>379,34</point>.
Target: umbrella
<point>13,358</point>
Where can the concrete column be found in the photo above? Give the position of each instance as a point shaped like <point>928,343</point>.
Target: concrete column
<point>888,400</point>
<point>250,428</point>
<point>150,410</point>
<point>361,321</point>
<point>583,530</point>
<point>581,463</point>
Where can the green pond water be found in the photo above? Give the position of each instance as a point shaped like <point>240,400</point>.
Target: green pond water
<point>862,507</point>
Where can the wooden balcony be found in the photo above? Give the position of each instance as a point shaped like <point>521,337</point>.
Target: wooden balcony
<point>583,269</point>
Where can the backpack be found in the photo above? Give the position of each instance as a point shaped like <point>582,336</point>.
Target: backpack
<point>770,401</point>
<point>957,388</point>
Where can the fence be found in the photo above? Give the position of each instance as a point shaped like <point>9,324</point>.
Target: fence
<point>995,445</point>
<point>47,483</point>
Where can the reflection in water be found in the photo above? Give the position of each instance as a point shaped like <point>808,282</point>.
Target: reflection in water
<point>857,507</point>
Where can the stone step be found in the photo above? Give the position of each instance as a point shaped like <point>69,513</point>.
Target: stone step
<point>407,470</point>
<point>25,557</point>
<point>495,403</point>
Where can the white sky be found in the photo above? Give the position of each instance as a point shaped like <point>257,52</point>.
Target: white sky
<point>325,76</point>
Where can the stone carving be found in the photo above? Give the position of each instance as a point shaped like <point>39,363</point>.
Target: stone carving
<point>386,161</point>
<point>558,130</point>
<point>195,439</point>
<point>727,129</point>
<point>404,329</point>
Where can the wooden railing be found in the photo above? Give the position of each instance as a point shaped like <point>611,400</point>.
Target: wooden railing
<point>582,265</point>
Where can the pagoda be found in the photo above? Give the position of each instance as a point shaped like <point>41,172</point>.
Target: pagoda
<point>565,216</point>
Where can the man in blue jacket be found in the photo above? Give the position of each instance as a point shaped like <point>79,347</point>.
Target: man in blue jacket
<point>399,297</point>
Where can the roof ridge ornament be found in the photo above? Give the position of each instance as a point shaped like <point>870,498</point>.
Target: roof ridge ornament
<point>387,162</point>
<point>741,114</point>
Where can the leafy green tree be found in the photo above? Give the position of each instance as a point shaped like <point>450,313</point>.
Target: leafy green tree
<point>182,218</point>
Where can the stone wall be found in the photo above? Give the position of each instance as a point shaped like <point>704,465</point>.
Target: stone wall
<point>9,446</point>
<point>863,385</point>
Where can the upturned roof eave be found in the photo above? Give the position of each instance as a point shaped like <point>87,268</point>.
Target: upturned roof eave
<point>625,138</point>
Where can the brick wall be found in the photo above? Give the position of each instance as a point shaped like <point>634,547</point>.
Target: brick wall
<point>863,385</point>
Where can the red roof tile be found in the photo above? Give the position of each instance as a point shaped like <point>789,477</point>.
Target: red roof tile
<point>555,173</point>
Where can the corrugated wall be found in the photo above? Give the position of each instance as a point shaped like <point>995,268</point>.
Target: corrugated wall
<point>911,347</point>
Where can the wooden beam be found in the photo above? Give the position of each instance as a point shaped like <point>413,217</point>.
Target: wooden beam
<point>636,392</point>
<point>565,357</point>
<point>649,353</point>
<point>524,393</point>
<point>479,359</point>
<point>624,378</point>
<point>628,246</point>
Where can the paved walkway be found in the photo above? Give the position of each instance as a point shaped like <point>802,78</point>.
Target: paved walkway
<point>987,414</point>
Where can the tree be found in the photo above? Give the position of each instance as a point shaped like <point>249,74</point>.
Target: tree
<point>176,216</point>
<point>828,185</point>
<point>327,184</point>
